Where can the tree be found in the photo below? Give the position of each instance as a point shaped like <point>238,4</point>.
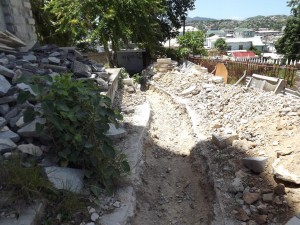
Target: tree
<point>175,16</point>
<point>45,24</point>
<point>289,43</point>
<point>192,43</point>
<point>221,45</point>
<point>109,21</point>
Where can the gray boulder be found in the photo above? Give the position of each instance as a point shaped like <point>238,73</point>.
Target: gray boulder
<point>3,122</point>
<point>6,145</point>
<point>30,149</point>
<point>81,70</point>
<point>6,133</point>
<point>4,85</point>
<point>65,178</point>
<point>7,72</point>
<point>29,130</point>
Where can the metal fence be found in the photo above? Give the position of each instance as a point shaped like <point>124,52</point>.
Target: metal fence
<point>236,69</point>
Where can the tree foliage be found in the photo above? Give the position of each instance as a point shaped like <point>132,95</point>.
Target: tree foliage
<point>146,22</point>
<point>176,13</point>
<point>289,43</point>
<point>192,43</point>
<point>221,45</point>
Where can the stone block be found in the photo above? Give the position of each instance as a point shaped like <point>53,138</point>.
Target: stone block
<point>8,134</point>
<point>65,178</point>
<point>30,149</point>
<point>4,85</point>
<point>256,164</point>
<point>224,140</point>
<point>30,129</point>
<point>6,145</point>
<point>7,72</point>
<point>115,133</point>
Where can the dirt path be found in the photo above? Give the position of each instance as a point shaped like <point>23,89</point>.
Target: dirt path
<point>174,188</point>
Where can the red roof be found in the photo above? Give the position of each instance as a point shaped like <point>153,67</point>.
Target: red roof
<point>243,54</point>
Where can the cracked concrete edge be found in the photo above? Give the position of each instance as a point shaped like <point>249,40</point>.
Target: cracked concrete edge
<point>124,214</point>
<point>219,209</point>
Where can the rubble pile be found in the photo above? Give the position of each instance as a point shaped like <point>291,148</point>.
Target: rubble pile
<point>164,65</point>
<point>248,130</point>
<point>15,135</point>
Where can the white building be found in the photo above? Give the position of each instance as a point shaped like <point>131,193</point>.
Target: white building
<point>236,43</point>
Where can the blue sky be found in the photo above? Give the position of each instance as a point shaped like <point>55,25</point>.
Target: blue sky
<point>239,9</point>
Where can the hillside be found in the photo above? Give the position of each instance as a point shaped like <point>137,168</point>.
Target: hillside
<point>275,22</point>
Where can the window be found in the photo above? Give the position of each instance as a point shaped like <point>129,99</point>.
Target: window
<point>241,47</point>
<point>229,48</point>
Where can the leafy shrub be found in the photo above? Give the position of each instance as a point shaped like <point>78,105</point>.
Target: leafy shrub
<point>77,118</point>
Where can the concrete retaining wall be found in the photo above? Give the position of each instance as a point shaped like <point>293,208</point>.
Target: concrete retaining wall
<point>16,17</point>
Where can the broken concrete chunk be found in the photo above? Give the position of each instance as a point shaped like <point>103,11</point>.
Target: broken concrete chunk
<point>30,129</point>
<point>285,168</point>
<point>256,164</point>
<point>224,140</point>
<point>115,133</point>
<point>81,70</point>
<point>189,90</point>
<point>30,58</point>
<point>8,99</point>
<point>218,80</point>
<point>8,134</point>
<point>4,85</point>
<point>7,72</point>
<point>54,60</point>
<point>6,145</point>
<point>30,149</point>
<point>65,178</point>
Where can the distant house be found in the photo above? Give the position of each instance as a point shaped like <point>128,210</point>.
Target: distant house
<point>187,29</point>
<point>220,33</point>
<point>267,33</point>
<point>236,43</point>
<point>243,33</point>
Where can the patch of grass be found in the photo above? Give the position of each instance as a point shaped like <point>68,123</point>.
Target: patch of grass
<point>21,186</point>
<point>26,183</point>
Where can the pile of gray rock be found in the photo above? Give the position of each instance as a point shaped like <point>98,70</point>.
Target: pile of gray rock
<point>15,134</point>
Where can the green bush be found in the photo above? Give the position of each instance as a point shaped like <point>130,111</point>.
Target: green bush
<point>77,118</point>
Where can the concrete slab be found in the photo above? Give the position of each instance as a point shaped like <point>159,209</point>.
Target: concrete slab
<point>65,178</point>
<point>113,82</point>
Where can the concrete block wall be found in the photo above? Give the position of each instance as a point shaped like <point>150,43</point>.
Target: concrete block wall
<point>16,17</point>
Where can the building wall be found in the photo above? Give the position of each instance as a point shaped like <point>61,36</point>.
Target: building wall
<point>17,18</point>
<point>235,45</point>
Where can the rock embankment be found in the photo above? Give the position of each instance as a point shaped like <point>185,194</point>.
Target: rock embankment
<point>41,61</point>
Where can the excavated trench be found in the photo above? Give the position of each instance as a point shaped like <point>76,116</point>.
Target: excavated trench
<point>175,188</point>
